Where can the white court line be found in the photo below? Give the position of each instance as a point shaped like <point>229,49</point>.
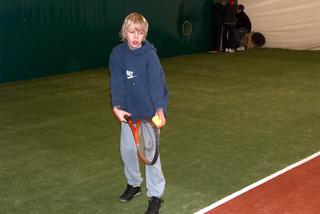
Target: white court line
<point>245,189</point>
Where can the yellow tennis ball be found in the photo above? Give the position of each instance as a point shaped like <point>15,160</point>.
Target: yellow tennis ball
<point>156,119</point>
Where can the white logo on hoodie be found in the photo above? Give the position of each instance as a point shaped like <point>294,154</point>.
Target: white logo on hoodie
<point>130,74</point>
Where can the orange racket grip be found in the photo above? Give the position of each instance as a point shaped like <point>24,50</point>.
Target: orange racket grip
<point>134,129</point>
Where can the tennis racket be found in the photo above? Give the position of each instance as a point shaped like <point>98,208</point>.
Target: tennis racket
<point>147,139</point>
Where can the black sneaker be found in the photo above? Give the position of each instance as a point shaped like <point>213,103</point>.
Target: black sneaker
<point>129,193</point>
<point>154,205</point>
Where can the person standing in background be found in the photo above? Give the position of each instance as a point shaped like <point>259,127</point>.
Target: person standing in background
<point>243,26</point>
<point>243,20</point>
<point>218,10</point>
<point>229,32</point>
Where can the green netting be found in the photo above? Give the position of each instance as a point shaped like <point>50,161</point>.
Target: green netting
<point>45,37</point>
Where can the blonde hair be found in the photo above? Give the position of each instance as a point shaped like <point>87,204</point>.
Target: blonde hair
<point>134,19</point>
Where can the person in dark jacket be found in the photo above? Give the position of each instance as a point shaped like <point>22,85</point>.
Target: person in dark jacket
<point>243,21</point>
<point>229,34</point>
<point>138,89</point>
<point>218,10</point>
<point>243,27</point>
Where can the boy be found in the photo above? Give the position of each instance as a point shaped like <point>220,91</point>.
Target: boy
<point>138,88</point>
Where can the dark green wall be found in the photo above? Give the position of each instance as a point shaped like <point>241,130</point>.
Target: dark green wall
<point>46,37</point>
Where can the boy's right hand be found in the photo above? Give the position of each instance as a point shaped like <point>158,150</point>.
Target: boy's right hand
<point>119,113</point>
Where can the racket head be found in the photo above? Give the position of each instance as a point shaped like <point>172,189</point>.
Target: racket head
<point>149,142</point>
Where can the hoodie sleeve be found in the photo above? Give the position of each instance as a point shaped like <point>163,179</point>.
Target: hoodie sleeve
<point>117,79</point>
<point>157,83</point>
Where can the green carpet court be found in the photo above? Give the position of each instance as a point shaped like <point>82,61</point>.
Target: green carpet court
<point>233,119</point>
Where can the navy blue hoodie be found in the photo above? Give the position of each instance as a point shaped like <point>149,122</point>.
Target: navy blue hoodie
<point>137,81</point>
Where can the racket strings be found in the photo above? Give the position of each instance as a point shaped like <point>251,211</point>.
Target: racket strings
<point>147,137</point>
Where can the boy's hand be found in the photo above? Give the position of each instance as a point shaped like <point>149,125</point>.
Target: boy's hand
<point>119,113</point>
<point>160,114</point>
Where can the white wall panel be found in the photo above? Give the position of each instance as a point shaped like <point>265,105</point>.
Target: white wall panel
<point>291,24</point>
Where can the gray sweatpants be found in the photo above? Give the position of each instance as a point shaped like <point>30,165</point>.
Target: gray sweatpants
<point>155,181</point>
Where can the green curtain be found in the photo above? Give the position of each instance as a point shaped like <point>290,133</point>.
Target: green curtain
<point>46,37</point>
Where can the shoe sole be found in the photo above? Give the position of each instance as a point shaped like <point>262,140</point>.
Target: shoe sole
<point>135,195</point>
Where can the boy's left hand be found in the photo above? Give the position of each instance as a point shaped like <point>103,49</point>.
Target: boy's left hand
<point>160,114</point>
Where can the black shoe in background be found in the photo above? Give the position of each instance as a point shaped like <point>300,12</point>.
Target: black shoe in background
<point>154,205</point>
<point>129,193</point>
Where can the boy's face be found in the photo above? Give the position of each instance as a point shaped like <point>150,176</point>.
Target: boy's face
<point>135,36</point>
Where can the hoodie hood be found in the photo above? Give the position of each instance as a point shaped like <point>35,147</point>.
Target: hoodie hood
<point>146,47</point>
